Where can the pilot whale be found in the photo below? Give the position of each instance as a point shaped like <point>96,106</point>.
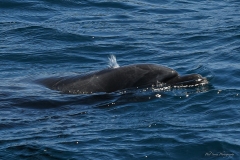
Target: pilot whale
<point>118,78</point>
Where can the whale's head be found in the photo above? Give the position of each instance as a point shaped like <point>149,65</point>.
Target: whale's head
<point>187,80</point>
<point>168,76</point>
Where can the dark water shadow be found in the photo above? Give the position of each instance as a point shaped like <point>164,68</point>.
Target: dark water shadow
<point>53,99</point>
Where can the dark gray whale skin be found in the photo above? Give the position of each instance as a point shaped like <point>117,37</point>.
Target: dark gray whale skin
<point>114,79</point>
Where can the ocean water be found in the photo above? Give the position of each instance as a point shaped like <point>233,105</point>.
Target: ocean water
<point>47,38</point>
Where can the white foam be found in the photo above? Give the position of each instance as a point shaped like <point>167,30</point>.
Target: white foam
<point>113,62</point>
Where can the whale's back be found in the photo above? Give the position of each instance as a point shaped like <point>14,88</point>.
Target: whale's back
<point>110,80</point>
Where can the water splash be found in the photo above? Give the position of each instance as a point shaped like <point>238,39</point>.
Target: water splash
<point>113,62</point>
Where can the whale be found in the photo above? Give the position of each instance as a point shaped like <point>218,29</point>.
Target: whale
<point>116,78</point>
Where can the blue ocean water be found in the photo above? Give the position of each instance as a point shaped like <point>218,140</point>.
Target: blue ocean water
<point>68,37</point>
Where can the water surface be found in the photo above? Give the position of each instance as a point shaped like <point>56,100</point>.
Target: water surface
<point>69,37</point>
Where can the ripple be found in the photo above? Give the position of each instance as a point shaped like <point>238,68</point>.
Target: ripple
<point>67,37</point>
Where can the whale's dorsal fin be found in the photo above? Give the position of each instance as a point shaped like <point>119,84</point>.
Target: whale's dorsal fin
<point>113,62</point>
